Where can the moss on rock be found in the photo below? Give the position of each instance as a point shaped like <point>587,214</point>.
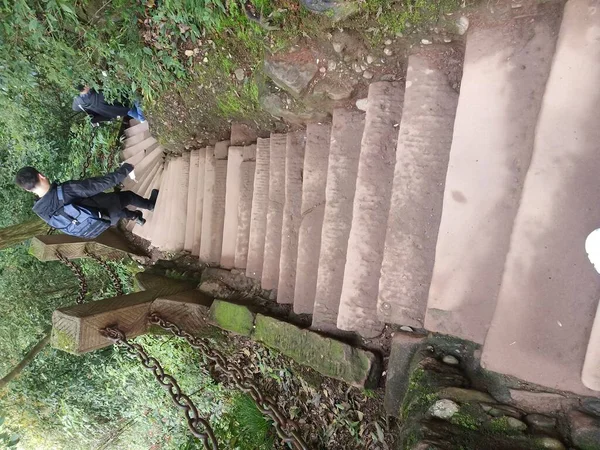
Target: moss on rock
<point>232,317</point>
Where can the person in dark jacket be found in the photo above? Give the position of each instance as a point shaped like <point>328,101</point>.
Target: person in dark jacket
<point>89,192</point>
<point>94,105</point>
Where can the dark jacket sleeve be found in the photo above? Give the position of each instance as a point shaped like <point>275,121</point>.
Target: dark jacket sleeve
<point>74,190</point>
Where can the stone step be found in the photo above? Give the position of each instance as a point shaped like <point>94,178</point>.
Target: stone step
<point>549,293</point>
<point>135,139</point>
<point>152,155</point>
<point>150,162</point>
<point>270,271</point>
<point>178,209</point>
<point>422,156</point>
<point>156,183</point>
<point>150,231</point>
<point>162,233</point>
<point>316,157</point>
<point>258,219</point>
<point>136,129</point>
<point>221,150</point>
<point>358,301</point>
<point>199,209</point>
<point>144,188</point>
<point>232,201</point>
<point>292,214</point>
<point>346,133</point>
<point>141,150</point>
<point>190,225</point>
<point>590,375</point>
<point>242,240</point>
<point>215,179</point>
<point>502,88</point>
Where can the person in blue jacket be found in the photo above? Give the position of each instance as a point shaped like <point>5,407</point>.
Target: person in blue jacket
<point>95,105</point>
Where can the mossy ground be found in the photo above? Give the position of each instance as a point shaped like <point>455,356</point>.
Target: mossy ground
<point>232,317</point>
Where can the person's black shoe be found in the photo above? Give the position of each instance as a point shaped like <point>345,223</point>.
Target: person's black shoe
<point>140,218</point>
<point>152,199</point>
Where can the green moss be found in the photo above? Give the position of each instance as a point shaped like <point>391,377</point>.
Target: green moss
<point>232,317</point>
<point>63,341</point>
<point>465,420</point>
<point>327,356</point>
<point>500,426</point>
<point>419,395</point>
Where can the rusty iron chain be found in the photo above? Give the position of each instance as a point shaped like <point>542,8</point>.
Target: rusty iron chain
<point>199,427</point>
<point>83,287</point>
<point>116,281</point>
<point>286,429</point>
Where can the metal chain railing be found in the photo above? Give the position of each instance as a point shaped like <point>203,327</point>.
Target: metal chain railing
<point>199,427</point>
<point>286,429</point>
<point>116,281</point>
<point>83,287</point>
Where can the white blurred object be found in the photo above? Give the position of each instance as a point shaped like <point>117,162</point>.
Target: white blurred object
<point>132,175</point>
<point>592,248</point>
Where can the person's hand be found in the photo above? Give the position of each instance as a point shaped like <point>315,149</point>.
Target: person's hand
<point>127,167</point>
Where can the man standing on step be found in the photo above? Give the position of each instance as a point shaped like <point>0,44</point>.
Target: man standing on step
<point>95,105</point>
<point>82,208</point>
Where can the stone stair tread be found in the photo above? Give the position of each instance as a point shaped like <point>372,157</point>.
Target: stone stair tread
<point>292,214</point>
<point>199,209</point>
<point>148,231</point>
<point>178,211</point>
<point>232,200</point>
<point>316,157</point>
<point>242,241</point>
<point>135,129</point>
<point>272,252</point>
<point>150,157</point>
<point>139,156</point>
<point>190,225</point>
<point>215,179</point>
<point>144,188</point>
<point>141,175</point>
<point>346,134</point>
<point>221,150</point>
<point>486,171</point>
<point>258,219</point>
<point>242,134</point>
<point>135,139</point>
<point>549,294</point>
<point>422,155</point>
<point>128,152</point>
<point>358,301</point>
<point>160,233</point>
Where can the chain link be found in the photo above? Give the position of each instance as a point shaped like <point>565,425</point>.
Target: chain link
<point>116,281</point>
<point>199,427</point>
<point>287,430</point>
<point>83,287</point>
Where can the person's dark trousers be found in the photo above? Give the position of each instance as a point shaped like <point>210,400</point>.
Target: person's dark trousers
<point>128,198</point>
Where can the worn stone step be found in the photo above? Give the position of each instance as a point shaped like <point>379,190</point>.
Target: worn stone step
<point>258,218</point>
<point>502,89</point>
<point>190,224</point>
<point>142,175</point>
<point>549,292</point>
<point>270,271</point>
<point>316,158</point>
<point>157,232</point>
<point>221,149</point>
<point>144,188</point>
<point>199,208</point>
<point>215,179</point>
<point>148,231</point>
<point>242,134</point>
<point>135,154</point>
<point>292,213</point>
<point>139,128</point>
<point>232,201</point>
<point>242,240</point>
<point>422,156</point>
<point>178,210</point>
<point>150,157</point>
<point>162,234</point>
<point>358,301</point>
<point>135,139</point>
<point>346,134</point>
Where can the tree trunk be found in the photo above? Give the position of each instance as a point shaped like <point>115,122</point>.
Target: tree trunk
<point>16,234</point>
<point>16,371</point>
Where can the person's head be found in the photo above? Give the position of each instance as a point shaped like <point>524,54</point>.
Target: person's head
<point>33,181</point>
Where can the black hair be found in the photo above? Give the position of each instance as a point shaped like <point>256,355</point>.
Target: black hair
<point>27,178</point>
<point>80,87</point>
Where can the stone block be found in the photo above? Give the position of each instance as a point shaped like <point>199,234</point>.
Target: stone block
<point>327,356</point>
<point>541,402</point>
<point>465,395</point>
<point>404,347</point>
<point>232,317</point>
<point>585,431</point>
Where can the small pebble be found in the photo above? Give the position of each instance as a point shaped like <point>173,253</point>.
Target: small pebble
<point>447,40</point>
<point>368,75</point>
<point>370,59</point>
<point>450,360</point>
<point>444,409</point>
<point>240,74</point>
<point>338,47</point>
<point>322,70</point>
<point>406,328</point>
<point>462,25</point>
<point>388,42</point>
<point>362,103</point>
<point>516,424</point>
<point>331,65</point>
<point>357,68</point>
<point>388,51</point>
<point>426,42</point>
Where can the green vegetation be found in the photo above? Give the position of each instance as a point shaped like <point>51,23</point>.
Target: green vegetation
<point>232,317</point>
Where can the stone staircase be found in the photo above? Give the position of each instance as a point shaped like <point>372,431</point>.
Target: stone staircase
<point>462,215</point>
